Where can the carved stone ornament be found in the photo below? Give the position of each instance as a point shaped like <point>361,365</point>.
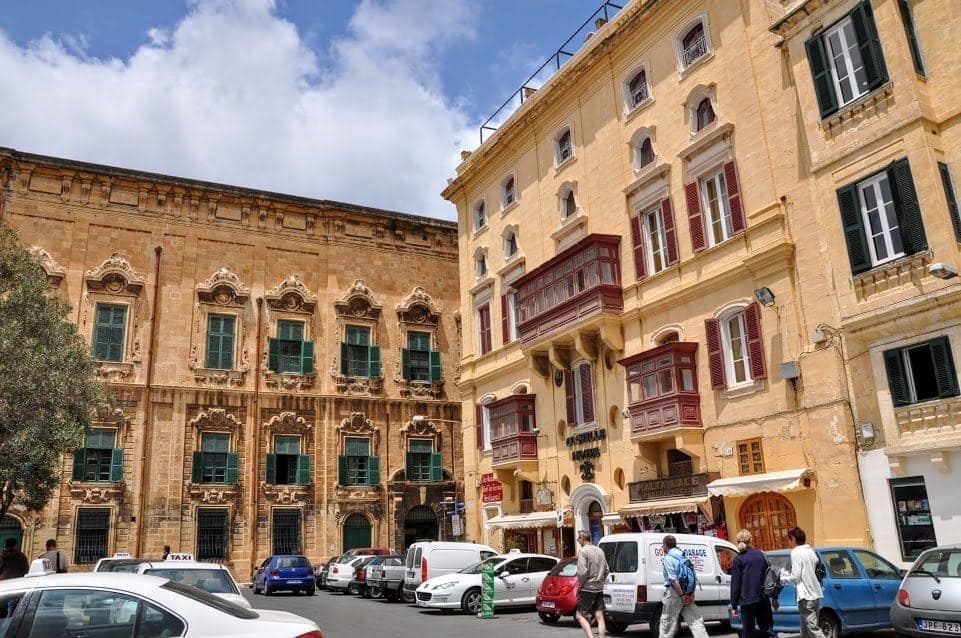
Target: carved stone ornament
<point>358,303</point>
<point>375,510</point>
<point>288,381</point>
<point>55,272</point>
<point>288,422</point>
<point>96,495</point>
<point>214,495</point>
<point>114,371</point>
<point>287,494</point>
<point>358,424</point>
<point>105,416</point>
<point>355,386</point>
<point>420,428</point>
<point>291,295</point>
<point>418,308</point>
<point>115,276</point>
<point>216,419</point>
<point>223,288</point>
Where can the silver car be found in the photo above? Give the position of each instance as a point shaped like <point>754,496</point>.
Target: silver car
<point>929,601</point>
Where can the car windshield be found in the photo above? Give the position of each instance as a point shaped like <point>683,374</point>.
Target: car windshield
<point>346,558</point>
<point>477,567</point>
<point>943,563</point>
<point>564,569</point>
<point>126,565</point>
<point>293,561</point>
<point>214,581</point>
<point>214,602</point>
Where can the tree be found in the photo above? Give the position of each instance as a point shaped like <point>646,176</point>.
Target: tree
<point>47,387</point>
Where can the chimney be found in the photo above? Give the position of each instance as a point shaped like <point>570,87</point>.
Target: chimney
<point>600,22</point>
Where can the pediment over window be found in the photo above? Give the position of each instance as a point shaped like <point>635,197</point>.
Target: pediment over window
<point>291,295</point>
<point>216,419</point>
<point>55,272</point>
<point>105,416</point>
<point>418,308</point>
<point>423,428</point>
<point>287,422</point>
<point>358,424</point>
<point>116,276</point>
<point>358,302</point>
<point>223,288</point>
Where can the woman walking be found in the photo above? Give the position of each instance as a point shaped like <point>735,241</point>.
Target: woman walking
<point>747,590</point>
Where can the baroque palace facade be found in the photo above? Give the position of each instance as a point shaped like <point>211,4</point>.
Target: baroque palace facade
<point>266,357</point>
<point>695,280</point>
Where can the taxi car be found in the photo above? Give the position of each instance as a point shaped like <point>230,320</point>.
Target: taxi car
<point>212,578</point>
<point>119,562</point>
<point>96,604</point>
<point>517,578</point>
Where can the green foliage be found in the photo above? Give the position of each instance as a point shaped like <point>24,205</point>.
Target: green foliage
<point>48,392</point>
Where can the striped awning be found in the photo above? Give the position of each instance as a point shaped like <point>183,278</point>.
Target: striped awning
<point>667,506</point>
<point>783,481</point>
<point>521,521</point>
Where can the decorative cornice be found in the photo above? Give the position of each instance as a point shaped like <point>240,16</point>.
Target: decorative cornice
<point>287,422</point>
<point>223,288</point>
<point>115,275</point>
<point>216,419</point>
<point>418,308</point>
<point>291,295</point>
<point>55,272</point>
<point>358,302</point>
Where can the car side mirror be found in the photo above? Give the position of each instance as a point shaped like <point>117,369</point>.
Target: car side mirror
<point>504,574</point>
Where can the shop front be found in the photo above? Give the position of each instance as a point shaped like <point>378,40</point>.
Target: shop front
<point>677,504</point>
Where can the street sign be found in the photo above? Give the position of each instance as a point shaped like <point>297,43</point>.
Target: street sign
<point>456,528</point>
<point>560,516</point>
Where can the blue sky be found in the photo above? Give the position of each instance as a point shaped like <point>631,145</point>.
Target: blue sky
<point>368,101</point>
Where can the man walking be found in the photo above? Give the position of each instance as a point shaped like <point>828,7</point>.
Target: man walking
<point>13,562</point>
<point>58,560</point>
<point>591,574</point>
<point>676,604</point>
<point>803,572</point>
<point>747,589</point>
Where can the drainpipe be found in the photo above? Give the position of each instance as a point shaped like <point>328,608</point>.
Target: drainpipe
<point>148,404</point>
<point>252,461</point>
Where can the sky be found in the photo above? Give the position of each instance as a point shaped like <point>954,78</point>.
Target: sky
<point>363,101</point>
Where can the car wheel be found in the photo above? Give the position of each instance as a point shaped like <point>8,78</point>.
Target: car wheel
<point>350,590</point>
<point>408,596</point>
<point>374,592</point>
<point>829,624</point>
<point>616,628</point>
<point>549,618</point>
<point>311,591</point>
<point>391,596</point>
<point>471,601</point>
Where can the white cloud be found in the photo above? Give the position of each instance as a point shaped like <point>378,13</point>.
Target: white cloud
<point>233,94</point>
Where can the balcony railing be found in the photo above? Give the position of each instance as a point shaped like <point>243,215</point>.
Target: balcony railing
<point>514,448</point>
<point>695,50</point>
<point>582,281</point>
<point>526,505</point>
<point>662,389</point>
<point>931,420</point>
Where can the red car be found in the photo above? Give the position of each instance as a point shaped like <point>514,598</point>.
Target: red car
<point>558,593</point>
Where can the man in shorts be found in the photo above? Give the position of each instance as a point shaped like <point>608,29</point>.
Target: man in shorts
<point>591,574</point>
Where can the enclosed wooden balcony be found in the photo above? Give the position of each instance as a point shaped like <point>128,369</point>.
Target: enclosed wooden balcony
<point>513,431</point>
<point>662,390</point>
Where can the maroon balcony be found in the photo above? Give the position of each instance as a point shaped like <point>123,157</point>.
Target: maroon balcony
<point>513,430</point>
<point>580,282</point>
<point>662,389</point>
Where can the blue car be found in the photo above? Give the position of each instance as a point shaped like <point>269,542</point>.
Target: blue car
<point>285,572</point>
<point>859,587</point>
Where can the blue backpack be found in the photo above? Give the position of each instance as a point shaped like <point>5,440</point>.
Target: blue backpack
<point>686,577</point>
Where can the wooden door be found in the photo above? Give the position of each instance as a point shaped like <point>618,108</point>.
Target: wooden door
<point>768,516</point>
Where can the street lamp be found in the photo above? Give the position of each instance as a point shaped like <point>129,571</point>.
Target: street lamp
<point>420,419</point>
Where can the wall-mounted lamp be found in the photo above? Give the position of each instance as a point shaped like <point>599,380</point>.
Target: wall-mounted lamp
<point>764,296</point>
<point>942,271</point>
<point>626,413</point>
<point>867,433</point>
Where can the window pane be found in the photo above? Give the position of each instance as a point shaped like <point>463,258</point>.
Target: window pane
<point>214,442</point>
<point>421,445</point>
<point>650,386</point>
<point>287,444</point>
<point>923,374</point>
<point>665,379</point>
<point>418,340</point>
<point>357,447</point>
<point>358,335</point>
<point>687,380</point>
<point>101,438</point>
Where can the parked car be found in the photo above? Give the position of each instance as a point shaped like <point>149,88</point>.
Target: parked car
<point>387,576</point>
<point>518,577</point>
<point>929,598</point>
<point>120,562</point>
<point>635,586</point>
<point>427,559</point>
<point>284,572</point>
<point>210,577</point>
<point>319,566</point>
<point>367,551</point>
<point>358,580</point>
<point>340,574</point>
<point>557,595</point>
<point>859,588</point>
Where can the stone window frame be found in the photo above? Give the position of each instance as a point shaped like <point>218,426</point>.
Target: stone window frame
<point>418,312</point>
<point>223,293</point>
<point>509,178</point>
<point>288,423</point>
<point>630,107</point>
<point>114,281</point>
<point>423,431</point>
<point>215,421</point>
<point>683,69</point>
<point>95,492</point>
<point>357,307</point>
<point>290,300</point>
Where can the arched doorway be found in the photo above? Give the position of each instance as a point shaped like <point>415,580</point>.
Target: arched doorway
<point>595,516</point>
<point>10,528</point>
<point>768,516</point>
<point>356,531</point>
<point>420,523</point>
<point>588,504</point>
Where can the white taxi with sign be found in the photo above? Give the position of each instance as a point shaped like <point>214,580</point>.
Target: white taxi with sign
<point>119,562</point>
<point>210,577</point>
<point>48,604</point>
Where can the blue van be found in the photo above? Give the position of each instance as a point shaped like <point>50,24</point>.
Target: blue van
<point>285,572</point>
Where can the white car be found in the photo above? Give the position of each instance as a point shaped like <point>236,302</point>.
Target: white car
<point>517,577</point>
<point>210,577</point>
<point>124,604</point>
<point>340,574</point>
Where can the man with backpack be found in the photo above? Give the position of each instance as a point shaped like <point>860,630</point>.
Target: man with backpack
<point>680,582</point>
<point>753,586</point>
<point>807,572</point>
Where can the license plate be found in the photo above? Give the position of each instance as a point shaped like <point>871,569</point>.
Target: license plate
<point>293,582</point>
<point>547,604</point>
<point>939,625</point>
<point>619,599</point>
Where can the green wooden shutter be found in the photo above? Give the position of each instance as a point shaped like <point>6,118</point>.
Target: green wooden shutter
<point>436,467</point>
<point>303,469</point>
<point>950,196</point>
<point>342,470</point>
<point>821,74</point>
<point>869,43</point>
<point>307,358</point>
<point>435,370</point>
<point>228,326</point>
<point>853,227</point>
<point>213,346</point>
<point>79,464</point>
<point>908,19</point>
<point>410,466</point>
<point>373,470</point>
<point>273,356</point>
<point>116,465</point>
<point>196,469</point>
<point>897,384</point>
<point>343,358</point>
<point>405,362</point>
<point>233,465</point>
<point>944,367</point>
<point>373,357</point>
<point>907,208</point>
<point>271,469</point>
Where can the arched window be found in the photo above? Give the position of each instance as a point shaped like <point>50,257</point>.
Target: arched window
<point>509,195</point>
<point>704,114</point>
<point>637,89</point>
<point>480,215</point>
<point>480,265</point>
<point>670,336</point>
<point>579,390</point>
<point>694,45</point>
<point>510,244</point>
<point>767,516</point>
<point>564,148</point>
<point>645,153</point>
<point>569,206</point>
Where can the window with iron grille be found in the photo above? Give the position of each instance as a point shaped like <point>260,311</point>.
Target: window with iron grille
<point>99,459</point>
<point>286,531</point>
<point>694,44</point>
<point>93,525</point>
<point>110,323</point>
<point>212,534</point>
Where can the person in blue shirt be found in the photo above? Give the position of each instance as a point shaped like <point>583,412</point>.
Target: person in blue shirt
<point>747,590</point>
<point>676,604</point>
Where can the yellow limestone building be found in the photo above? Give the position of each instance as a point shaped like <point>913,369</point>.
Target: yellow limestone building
<point>636,311</point>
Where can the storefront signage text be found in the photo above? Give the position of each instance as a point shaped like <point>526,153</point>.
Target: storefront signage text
<point>586,437</point>
<point>492,490</point>
<point>692,485</point>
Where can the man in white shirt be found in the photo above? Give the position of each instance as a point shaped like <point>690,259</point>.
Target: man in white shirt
<point>804,573</point>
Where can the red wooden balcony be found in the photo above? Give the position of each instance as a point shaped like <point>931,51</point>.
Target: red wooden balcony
<point>513,430</point>
<point>582,281</point>
<point>662,389</point>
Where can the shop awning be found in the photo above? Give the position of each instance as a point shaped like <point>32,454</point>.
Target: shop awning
<point>520,521</point>
<point>667,506</point>
<point>783,481</point>
<point>612,519</point>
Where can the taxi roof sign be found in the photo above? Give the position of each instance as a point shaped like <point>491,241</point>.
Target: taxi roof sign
<point>180,557</point>
<point>121,555</point>
<point>40,567</point>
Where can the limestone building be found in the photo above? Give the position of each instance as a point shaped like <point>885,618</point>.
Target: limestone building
<point>266,355</point>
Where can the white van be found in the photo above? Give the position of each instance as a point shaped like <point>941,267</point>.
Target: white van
<point>633,591</point>
<point>426,559</point>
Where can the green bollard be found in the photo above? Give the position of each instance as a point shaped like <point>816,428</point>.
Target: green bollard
<point>487,592</point>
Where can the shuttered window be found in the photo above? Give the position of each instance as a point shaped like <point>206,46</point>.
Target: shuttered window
<point>418,361</point>
<point>220,342</point>
<point>579,388</point>
<point>289,352</point>
<point>653,239</point>
<point>356,466</point>
<point>912,35</point>
<point>510,318</point>
<point>484,328</point>
<point>950,197</point>
<point>99,459</point>
<point>423,464</point>
<point>286,465</point>
<point>214,463</point>
<point>110,324</point>
<point>846,60</point>
<point>735,348</point>
<point>358,357</point>
<point>921,372</point>
<point>714,208</point>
